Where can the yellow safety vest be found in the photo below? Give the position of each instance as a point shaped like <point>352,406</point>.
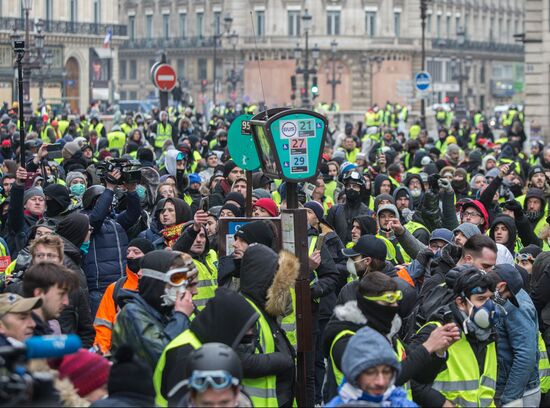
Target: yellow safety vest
<point>62,125</point>
<point>330,188</point>
<point>126,128</point>
<point>117,139</point>
<point>187,337</point>
<point>208,280</point>
<point>460,382</point>
<point>164,133</point>
<point>263,390</point>
<point>392,251</point>
<point>98,128</point>
<point>544,367</point>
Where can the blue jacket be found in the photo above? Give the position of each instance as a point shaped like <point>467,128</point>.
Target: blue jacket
<point>106,259</point>
<point>517,349</point>
<point>396,397</point>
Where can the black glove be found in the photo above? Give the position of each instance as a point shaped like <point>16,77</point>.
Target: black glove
<point>425,256</point>
<point>433,182</point>
<point>515,206</point>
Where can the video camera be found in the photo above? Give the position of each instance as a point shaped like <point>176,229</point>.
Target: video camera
<point>129,169</point>
<point>17,385</point>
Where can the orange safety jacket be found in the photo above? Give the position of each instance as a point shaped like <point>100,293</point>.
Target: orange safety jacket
<point>108,310</point>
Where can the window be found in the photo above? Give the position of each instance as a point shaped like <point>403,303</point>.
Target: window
<point>466,23</point>
<point>122,70</point>
<point>333,22</point>
<point>457,24</point>
<point>122,95</point>
<point>482,73</point>
<point>449,71</point>
<point>166,26</point>
<point>438,26</point>
<point>217,22</point>
<point>149,26</point>
<point>180,68</point>
<point>370,23</point>
<point>429,23</point>
<point>294,23</point>
<point>183,25</point>
<point>132,95</point>
<point>500,29</point>
<point>435,70</point>
<point>491,29</point>
<point>133,69</point>
<point>200,23</point>
<point>132,27</point>
<point>482,102</point>
<point>260,23</point>
<point>97,11</point>
<point>397,23</point>
<point>203,71</point>
<point>448,27</point>
<point>49,10</point>
<point>72,11</point>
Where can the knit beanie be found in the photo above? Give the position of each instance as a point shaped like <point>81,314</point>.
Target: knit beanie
<point>129,374</point>
<point>74,175</point>
<point>87,371</point>
<point>233,208</point>
<point>237,197</point>
<point>31,192</point>
<point>70,149</point>
<point>142,244</point>
<point>256,231</point>
<point>260,193</point>
<point>227,167</point>
<point>316,208</point>
<point>468,229</point>
<point>269,205</point>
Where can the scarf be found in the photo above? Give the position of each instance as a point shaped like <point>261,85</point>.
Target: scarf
<point>171,234</point>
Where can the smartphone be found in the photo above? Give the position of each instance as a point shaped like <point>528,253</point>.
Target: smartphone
<point>54,151</point>
<point>320,241</point>
<point>204,204</point>
<point>309,189</point>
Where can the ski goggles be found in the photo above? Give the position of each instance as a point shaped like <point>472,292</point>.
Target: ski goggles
<point>175,277</point>
<point>387,297</point>
<point>525,257</point>
<point>216,379</point>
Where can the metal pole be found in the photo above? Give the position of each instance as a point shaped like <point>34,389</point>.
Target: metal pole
<point>423,7</point>
<point>27,60</point>
<point>163,96</point>
<point>333,82</point>
<point>248,193</point>
<point>306,74</point>
<point>21,113</point>
<point>214,69</point>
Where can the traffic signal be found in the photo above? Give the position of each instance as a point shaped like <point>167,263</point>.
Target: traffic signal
<point>314,87</point>
<point>204,84</point>
<point>293,83</point>
<point>303,91</point>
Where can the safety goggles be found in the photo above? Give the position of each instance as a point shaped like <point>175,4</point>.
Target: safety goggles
<point>525,257</point>
<point>216,379</point>
<point>175,277</point>
<point>387,297</point>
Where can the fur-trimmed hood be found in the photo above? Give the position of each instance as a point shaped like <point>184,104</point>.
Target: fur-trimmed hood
<point>266,278</point>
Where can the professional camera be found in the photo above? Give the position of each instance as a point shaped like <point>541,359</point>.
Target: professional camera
<point>129,169</point>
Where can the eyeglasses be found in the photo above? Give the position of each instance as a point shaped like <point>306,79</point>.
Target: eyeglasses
<point>525,257</point>
<point>387,297</point>
<point>436,246</point>
<point>471,214</point>
<point>216,379</point>
<point>175,277</point>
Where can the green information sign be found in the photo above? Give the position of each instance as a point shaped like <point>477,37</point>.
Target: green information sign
<point>290,142</point>
<point>240,144</point>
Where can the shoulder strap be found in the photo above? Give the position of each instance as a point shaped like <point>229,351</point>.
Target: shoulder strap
<point>118,286</point>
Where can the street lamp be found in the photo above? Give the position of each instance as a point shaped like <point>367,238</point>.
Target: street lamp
<point>336,77</point>
<point>19,49</point>
<point>27,6</point>
<point>423,12</point>
<point>234,77</point>
<point>461,72</point>
<point>227,21</point>
<point>306,71</point>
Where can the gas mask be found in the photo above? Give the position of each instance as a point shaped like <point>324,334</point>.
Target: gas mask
<point>481,319</point>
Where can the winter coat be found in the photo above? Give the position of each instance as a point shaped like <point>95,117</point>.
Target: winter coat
<point>517,349</point>
<point>510,224</point>
<point>266,280</point>
<point>125,400</point>
<point>143,321</point>
<point>341,218</point>
<point>540,287</point>
<point>106,259</point>
<point>218,193</point>
<point>19,223</point>
<point>395,397</point>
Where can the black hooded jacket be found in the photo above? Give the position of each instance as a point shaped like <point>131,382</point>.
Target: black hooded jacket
<point>226,318</point>
<point>378,180</point>
<point>510,224</point>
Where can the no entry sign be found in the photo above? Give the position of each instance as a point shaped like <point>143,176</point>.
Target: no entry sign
<point>164,77</point>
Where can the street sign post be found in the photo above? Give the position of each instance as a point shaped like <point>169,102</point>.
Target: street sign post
<point>290,143</point>
<point>164,78</point>
<point>423,81</point>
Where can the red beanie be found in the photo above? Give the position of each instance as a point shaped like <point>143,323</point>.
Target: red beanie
<point>87,371</point>
<point>269,205</point>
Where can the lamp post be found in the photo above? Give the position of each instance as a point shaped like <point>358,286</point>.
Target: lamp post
<point>423,10</point>
<point>27,6</point>
<point>461,73</point>
<point>19,49</point>
<point>378,60</point>
<point>336,78</point>
<point>233,78</point>
<point>306,71</point>
<point>227,21</point>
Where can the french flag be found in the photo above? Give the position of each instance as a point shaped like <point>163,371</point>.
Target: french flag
<point>108,36</point>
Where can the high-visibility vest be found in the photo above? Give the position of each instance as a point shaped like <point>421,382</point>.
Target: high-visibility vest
<point>330,187</point>
<point>393,251</point>
<point>414,131</point>
<point>441,146</point>
<point>263,390</point>
<point>126,128</point>
<point>208,279</point>
<point>187,337</point>
<point>164,133</point>
<point>288,323</point>
<point>351,156</point>
<point>117,139</point>
<point>540,226</point>
<point>544,367</point>
<point>62,125</point>
<point>98,128</point>
<point>412,226</point>
<point>461,382</point>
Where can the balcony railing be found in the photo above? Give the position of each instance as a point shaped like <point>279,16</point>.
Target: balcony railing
<point>473,46</point>
<point>188,42</point>
<point>64,27</point>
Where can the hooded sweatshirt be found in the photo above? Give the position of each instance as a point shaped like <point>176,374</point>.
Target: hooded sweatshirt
<point>510,224</point>
<point>183,214</point>
<point>378,180</point>
<point>170,161</point>
<point>416,200</point>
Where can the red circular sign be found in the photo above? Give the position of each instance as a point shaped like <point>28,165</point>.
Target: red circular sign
<point>164,77</point>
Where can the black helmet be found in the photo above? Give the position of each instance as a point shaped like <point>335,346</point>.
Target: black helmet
<point>353,177</point>
<point>214,357</point>
<point>90,196</point>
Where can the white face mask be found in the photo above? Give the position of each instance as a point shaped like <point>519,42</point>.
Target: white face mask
<point>415,192</point>
<point>350,265</point>
<point>171,293</point>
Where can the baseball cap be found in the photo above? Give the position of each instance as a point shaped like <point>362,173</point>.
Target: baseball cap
<point>509,274</point>
<point>13,303</point>
<point>442,234</point>
<point>367,245</point>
